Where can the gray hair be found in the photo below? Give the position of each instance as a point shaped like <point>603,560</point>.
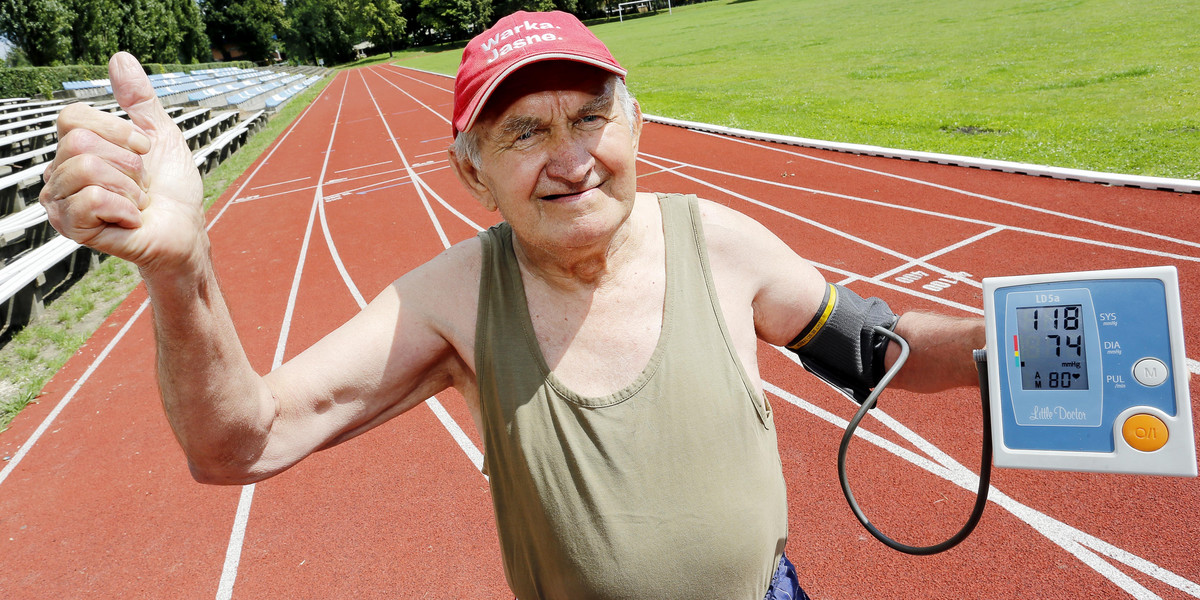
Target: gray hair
<point>466,143</point>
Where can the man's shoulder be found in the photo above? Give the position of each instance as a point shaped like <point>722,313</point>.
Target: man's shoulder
<point>729,231</point>
<point>445,285</point>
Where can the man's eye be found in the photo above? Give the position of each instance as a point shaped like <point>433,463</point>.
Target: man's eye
<point>592,121</point>
<point>524,138</point>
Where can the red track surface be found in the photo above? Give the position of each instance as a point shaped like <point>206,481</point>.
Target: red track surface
<point>96,500</point>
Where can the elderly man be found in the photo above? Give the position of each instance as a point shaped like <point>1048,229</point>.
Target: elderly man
<point>604,339</point>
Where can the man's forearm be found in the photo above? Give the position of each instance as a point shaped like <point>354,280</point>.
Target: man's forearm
<point>218,406</point>
<point>940,348</point>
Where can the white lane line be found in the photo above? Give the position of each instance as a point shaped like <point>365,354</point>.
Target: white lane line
<point>237,536</point>
<point>1074,541</point>
<point>812,222</point>
<point>411,173</point>
<point>318,201</point>
<point>436,87</point>
<point>947,249</point>
<point>460,437</point>
<point>1037,232</point>
<point>402,91</point>
<point>386,162</point>
<point>1193,366</point>
<point>233,551</point>
<point>390,183</point>
<point>70,395</point>
<point>58,408</point>
<point>453,210</point>
<point>457,433</point>
<point>267,185</point>
<point>1039,209</point>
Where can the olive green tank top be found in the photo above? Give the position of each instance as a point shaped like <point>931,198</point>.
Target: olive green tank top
<point>668,488</point>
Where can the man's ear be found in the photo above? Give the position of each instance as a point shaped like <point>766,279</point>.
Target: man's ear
<point>637,125</point>
<point>469,175</point>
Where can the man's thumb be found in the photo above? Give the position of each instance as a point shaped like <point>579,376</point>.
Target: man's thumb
<point>133,91</point>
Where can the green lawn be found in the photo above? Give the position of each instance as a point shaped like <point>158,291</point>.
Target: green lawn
<point>1108,85</point>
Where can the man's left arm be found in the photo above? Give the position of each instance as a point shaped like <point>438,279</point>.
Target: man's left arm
<point>787,294</point>
<point>940,351</point>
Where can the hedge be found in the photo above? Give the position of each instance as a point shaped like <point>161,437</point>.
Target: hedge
<point>44,81</point>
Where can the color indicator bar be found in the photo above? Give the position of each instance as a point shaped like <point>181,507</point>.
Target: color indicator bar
<point>1016,354</point>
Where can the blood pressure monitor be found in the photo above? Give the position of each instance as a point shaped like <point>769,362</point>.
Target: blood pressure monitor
<point>1087,372</point>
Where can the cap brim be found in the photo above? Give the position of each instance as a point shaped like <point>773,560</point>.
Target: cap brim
<point>481,98</point>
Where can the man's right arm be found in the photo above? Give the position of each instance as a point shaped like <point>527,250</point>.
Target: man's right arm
<point>130,189</point>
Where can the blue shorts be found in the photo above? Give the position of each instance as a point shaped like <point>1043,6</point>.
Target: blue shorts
<point>784,584</point>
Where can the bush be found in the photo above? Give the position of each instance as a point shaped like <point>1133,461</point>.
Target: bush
<point>44,81</point>
<point>31,81</point>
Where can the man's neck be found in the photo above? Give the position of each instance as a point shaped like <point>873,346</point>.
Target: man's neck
<point>587,268</point>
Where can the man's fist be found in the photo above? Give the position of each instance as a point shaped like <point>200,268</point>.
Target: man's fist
<point>127,188</point>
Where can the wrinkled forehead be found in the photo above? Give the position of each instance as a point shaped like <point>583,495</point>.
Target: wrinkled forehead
<point>541,78</point>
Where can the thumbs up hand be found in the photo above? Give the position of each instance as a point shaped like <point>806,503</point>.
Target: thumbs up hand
<point>128,188</point>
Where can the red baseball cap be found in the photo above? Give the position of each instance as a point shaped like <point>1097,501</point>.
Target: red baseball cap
<point>513,42</point>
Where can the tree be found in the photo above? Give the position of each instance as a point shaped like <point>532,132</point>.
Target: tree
<point>318,29</point>
<point>455,19</point>
<point>98,31</point>
<point>251,26</point>
<point>148,32</point>
<point>193,41</point>
<point>40,28</point>
<point>379,21</point>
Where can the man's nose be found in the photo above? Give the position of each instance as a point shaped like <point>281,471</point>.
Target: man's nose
<point>570,158</point>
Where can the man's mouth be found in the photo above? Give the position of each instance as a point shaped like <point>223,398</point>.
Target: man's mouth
<point>567,196</point>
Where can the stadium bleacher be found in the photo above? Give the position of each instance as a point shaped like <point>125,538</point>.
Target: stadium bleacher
<point>35,262</point>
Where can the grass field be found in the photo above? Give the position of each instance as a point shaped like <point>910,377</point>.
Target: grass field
<point>1107,85</point>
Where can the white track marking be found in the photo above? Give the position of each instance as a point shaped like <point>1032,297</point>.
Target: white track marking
<point>436,87</point>
<point>455,430</point>
<point>267,185</point>
<point>58,408</point>
<point>411,173</point>
<point>453,210</point>
<point>812,222</point>
<point>1047,211</point>
<point>386,162</point>
<point>237,536</point>
<point>1074,541</point>
<point>402,91</point>
<point>937,253</point>
<point>1037,232</point>
<point>1193,366</point>
<point>457,433</point>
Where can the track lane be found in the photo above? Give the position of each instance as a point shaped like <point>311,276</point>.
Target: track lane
<point>398,509</point>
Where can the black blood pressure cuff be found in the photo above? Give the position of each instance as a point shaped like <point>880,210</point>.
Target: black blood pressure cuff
<point>840,344</point>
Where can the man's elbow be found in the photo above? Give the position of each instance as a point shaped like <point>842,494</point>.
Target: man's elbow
<point>226,470</point>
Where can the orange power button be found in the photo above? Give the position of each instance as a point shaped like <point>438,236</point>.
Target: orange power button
<point>1145,432</point>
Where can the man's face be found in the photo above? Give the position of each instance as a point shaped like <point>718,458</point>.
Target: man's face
<point>558,157</point>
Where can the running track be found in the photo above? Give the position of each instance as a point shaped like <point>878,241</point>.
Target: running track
<point>96,500</point>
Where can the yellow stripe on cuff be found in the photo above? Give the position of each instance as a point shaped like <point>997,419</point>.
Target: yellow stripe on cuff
<point>820,322</point>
